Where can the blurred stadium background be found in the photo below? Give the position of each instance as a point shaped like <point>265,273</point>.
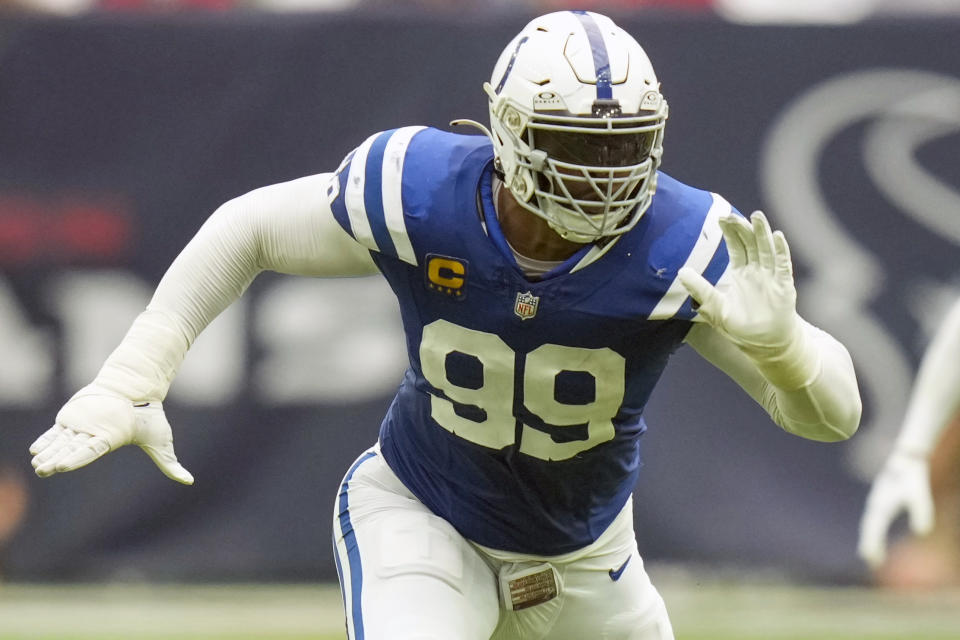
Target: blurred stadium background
<point>124,123</point>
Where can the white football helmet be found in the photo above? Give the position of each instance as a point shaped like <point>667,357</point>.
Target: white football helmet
<point>577,123</point>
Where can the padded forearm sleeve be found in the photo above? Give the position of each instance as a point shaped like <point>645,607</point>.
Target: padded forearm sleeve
<point>793,365</point>
<point>827,406</point>
<point>286,227</point>
<point>809,388</point>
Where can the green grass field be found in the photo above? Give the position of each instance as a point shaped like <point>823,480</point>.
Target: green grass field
<point>715,609</point>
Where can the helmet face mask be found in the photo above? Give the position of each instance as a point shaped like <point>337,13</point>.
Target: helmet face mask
<point>578,143</point>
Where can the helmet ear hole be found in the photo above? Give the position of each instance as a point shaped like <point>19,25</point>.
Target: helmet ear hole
<point>523,185</point>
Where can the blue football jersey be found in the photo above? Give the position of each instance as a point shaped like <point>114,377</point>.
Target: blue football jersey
<point>520,415</point>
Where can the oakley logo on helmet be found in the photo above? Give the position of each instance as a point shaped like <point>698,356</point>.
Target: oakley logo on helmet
<point>548,101</point>
<point>651,101</point>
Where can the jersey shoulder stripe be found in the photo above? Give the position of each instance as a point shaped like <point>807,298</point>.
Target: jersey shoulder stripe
<point>369,204</point>
<point>704,258</point>
<point>681,228</point>
<point>402,191</point>
<point>393,160</point>
<point>352,192</point>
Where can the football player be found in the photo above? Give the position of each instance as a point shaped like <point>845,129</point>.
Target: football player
<point>545,272</point>
<point>903,483</point>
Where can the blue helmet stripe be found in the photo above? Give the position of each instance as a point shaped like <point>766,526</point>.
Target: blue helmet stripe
<point>509,68</point>
<point>601,61</point>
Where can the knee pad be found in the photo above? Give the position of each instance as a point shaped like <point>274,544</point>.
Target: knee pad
<point>421,544</point>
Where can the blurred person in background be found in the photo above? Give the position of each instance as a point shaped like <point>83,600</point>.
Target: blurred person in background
<point>546,271</point>
<point>13,505</point>
<point>926,452</point>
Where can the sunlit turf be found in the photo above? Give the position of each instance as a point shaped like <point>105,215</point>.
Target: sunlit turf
<point>701,609</point>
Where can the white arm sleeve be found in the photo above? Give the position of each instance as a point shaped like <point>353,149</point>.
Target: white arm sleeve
<point>825,406</point>
<point>935,398</point>
<point>285,227</point>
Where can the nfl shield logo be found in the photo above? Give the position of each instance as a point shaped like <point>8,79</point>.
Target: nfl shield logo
<point>526,305</point>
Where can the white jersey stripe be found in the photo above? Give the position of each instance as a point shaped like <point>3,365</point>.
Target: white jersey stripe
<point>700,256</point>
<point>353,198</point>
<point>343,565</point>
<point>343,568</point>
<point>393,156</point>
<point>347,553</point>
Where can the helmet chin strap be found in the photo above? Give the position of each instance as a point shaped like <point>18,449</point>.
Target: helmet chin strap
<point>573,236</point>
<point>569,234</point>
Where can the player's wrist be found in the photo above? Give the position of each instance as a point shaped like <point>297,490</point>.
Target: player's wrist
<point>143,365</point>
<point>790,363</point>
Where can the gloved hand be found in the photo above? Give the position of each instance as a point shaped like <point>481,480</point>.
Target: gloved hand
<point>96,420</point>
<point>902,484</point>
<point>755,308</point>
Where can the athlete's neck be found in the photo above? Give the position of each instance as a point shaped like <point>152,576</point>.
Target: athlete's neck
<point>529,234</point>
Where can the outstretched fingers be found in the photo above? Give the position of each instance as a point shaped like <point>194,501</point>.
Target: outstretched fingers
<point>763,238</point>
<point>872,546</point>
<point>84,450</point>
<point>701,291</point>
<point>735,246</point>
<point>156,439</point>
<point>47,441</point>
<point>783,262</point>
<point>166,460</point>
<point>920,512</point>
<point>63,449</point>
<point>740,232</point>
<point>48,449</point>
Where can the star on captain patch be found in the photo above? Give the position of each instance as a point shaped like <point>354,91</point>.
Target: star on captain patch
<point>526,305</point>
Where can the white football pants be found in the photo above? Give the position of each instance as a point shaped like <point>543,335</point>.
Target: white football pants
<point>407,574</point>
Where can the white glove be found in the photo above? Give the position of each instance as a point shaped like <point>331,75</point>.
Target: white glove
<point>95,421</point>
<point>755,307</point>
<point>902,484</point>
